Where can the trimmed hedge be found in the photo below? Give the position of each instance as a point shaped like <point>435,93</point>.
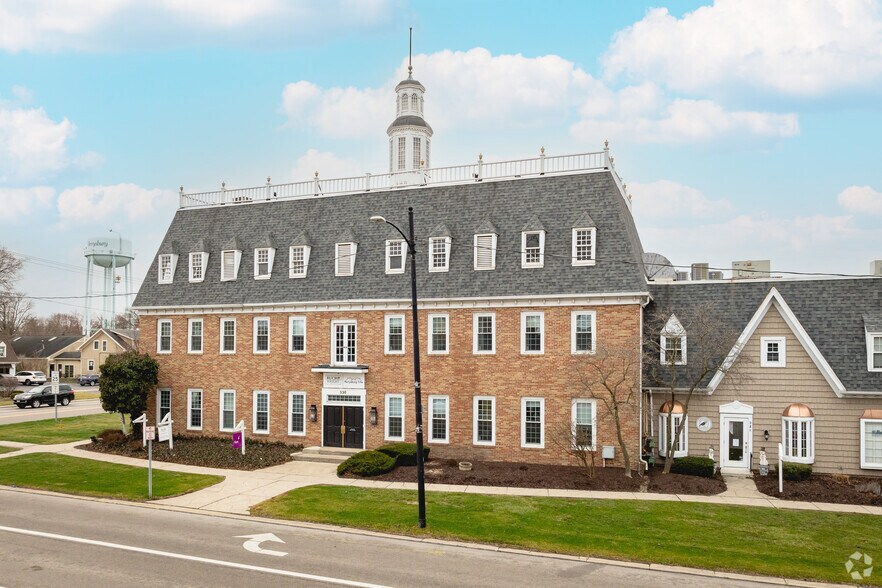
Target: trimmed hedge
<point>404,454</point>
<point>367,463</point>
<point>694,465</point>
<point>795,472</point>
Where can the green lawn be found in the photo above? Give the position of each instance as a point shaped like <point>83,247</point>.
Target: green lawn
<point>794,544</point>
<point>7,449</point>
<point>74,475</point>
<point>65,430</point>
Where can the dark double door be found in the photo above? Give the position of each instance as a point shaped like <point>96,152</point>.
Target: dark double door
<point>343,426</point>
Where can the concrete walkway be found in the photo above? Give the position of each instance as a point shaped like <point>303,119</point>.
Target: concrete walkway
<point>241,490</point>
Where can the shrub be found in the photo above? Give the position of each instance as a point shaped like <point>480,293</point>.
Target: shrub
<point>367,463</point>
<point>404,454</point>
<point>111,436</point>
<point>694,465</point>
<point>796,472</point>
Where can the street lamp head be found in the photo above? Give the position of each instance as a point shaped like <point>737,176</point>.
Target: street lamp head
<point>378,219</point>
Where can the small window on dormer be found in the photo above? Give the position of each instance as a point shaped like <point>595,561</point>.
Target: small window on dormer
<point>2,349</point>
<point>533,249</point>
<point>298,261</point>
<point>395,250</point>
<point>198,261</point>
<point>485,252</point>
<point>345,259</point>
<point>673,343</point>
<point>439,254</point>
<point>584,246</point>
<point>263,262</point>
<point>167,267</point>
<point>230,265</point>
<point>874,352</point>
<point>773,352</point>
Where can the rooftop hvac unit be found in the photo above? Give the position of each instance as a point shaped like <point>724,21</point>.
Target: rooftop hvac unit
<point>751,268</point>
<point>876,267</point>
<point>715,275</point>
<point>699,271</point>
<point>681,277</point>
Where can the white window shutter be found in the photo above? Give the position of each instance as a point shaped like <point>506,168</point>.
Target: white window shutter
<point>485,252</point>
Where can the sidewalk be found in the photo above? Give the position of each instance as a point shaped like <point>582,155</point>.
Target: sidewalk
<point>241,490</point>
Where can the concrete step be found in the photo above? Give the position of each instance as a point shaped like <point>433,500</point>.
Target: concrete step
<point>315,450</point>
<point>324,454</point>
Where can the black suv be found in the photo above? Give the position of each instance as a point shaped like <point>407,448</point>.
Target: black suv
<point>88,380</point>
<point>43,395</point>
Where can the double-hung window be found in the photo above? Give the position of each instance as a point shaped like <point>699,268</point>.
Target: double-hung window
<point>198,261</point>
<point>673,343</point>
<point>261,412</point>
<point>871,443</point>
<point>394,417</point>
<point>680,445</point>
<point>395,251</point>
<point>95,345</point>
<point>438,333</point>
<point>584,244</point>
<point>230,260</point>
<point>584,431</point>
<point>344,258</point>
<point>773,351</point>
<point>163,403</point>
<point>167,262</point>
<point>261,335</point>
<point>874,352</point>
<point>532,333</point>
<point>582,336</point>
<point>194,409</point>
<point>228,335</point>
<point>484,410</point>
<point>263,263</point>
<point>485,251</point>
<point>163,336</point>
<point>416,145</point>
<point>439,420</point>
<point>194,336</point>
<point>298,261</point>
<point>402,147</point>
<point>344,342</point>
<point>227,410</point>
<point>297,413</point>
<point>394,334</point>
<point>532,249</point>
<point>798,436</point>
<point>297,334</point>
<point>533,422</point>
<point>439,254</point>
<point>485,333</point>
<point>104,345</point>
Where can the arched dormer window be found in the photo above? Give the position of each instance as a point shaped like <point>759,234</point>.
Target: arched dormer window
<point>673,343</point>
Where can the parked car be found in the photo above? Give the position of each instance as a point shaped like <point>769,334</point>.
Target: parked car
<point>31,378</point>
<point>43,396</point>
<point>88,380</point>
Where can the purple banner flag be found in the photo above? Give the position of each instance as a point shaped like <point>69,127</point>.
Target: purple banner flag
<point>237,440</point>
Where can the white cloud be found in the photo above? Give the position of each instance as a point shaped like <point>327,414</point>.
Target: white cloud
<point>327,164</point>
<point>120,200</point>
<point>19,202</point>
<point>22,93</point>
<point>32,144</point>
<point>861,200</point>
<point>667,199</point>
<point>795,47</point>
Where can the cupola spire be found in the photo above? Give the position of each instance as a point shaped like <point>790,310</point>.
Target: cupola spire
<point>410,56</point>
<point>409,134</point>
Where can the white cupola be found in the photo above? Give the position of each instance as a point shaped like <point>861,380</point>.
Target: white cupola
<point>409,134</point>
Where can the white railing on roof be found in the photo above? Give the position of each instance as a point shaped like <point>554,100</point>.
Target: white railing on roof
<point>475,172</point>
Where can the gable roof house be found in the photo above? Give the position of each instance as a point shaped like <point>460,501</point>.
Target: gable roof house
<point>8,358</point>
<point>48,352</point>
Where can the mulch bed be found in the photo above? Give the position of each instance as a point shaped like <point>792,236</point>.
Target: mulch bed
<point>838,489</point>
<point>210,452</point>
<point>521,475</point>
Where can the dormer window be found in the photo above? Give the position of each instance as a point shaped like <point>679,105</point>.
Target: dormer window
<point>533,249</point>
<point>2,349</point>
<point>584,245</point>
<point>395,249</point>
<point>230,264</point>
<point>439,254</point>
<point>485,251</point>
<point>198,261</point>
<point>298,261</point>
<point>874,352</point>
<point>673,343</point>
<point>167,262</point>
<point>345,259</point>
<point>263,262</point>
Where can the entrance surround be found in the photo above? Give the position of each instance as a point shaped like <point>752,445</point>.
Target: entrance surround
<point>344,387</point>
<point>736,437</point>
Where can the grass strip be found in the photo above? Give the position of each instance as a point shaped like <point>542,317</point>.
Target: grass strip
<point>46,432</point>
<point>807,545</point>
<point>7,449</point>
<point>87,477</point>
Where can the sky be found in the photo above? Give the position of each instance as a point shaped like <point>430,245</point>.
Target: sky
<point>745,129</point>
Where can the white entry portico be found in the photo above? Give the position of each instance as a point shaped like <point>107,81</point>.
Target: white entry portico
<point>343,406</point>
<point>736,433</point>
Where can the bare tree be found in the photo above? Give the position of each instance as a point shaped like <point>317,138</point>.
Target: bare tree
<point>682,352</point>
<point>58,324</point>
<point>127,320</point>
<point>10,270</point>
<point>15,310</point>
<point>611,375</point>
<point>576,442</point>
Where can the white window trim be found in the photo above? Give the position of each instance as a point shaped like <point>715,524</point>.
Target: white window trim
<point>159,392</point>
<point>204,266</point>
<point>782,351</point>
<point>334,324</point>
<point>475,350</point>
<point>221,341</point>
<point>870,337</point>
<point>159,349</point>
<point>541,262</point>
<point>351,261</point>
<point>95,345</point>
<point>220,423</point>
<point>430,342</point>
<point>593,260</point>
<point>541,444</point>
<point>593,315</point>
<point>306,250</point>
<point>190,408</point>
<point>104,344</point>
<point>254,428</point>
<point>673,329</point>
<point>254,335</point>
<point>493,248</point>
<point>475,400</point>
<point>432,439</point>
<point>447,242</point>
<point>271,257</point>
<point>386,334</point>
<point>190,323</point>
<point>574,414</point>
<point>404,252</point>
<point>524,316</point>
<point>237,259</point>
<point>91,365</point>
<point>172,266</point>
<point>291,395</point>
<point>785,439</point>
<point>386,436</point>
<point>865,465</point>
<point>291,320</point>
<point>663,431</point>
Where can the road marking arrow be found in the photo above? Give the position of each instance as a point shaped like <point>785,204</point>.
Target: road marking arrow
<point>254,541</point>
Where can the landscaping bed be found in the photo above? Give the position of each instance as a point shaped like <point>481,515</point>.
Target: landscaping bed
<point>210,452</point>
<point>838,489</point>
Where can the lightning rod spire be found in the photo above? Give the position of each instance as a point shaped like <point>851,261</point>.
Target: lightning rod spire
<point>410,55</point>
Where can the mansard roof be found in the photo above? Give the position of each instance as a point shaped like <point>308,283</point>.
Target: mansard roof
<point>409,120</point>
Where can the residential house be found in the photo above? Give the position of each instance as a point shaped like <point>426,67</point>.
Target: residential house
<point>8,358</point>
<point>71,355</point>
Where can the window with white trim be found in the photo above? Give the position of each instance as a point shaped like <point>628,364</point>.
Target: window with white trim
<point>484,328</point>
<point>194,409</point>
<point>343,342</point>
<point>484,415</point>
<point>428,142</point>
<point>261,335</point>
<point>533,249</point>
<point>672,344</point>
<point>261,412</point>
<point>194,336</point>
<point>163,336</point>
<point>198,261</point>
<point>167,263</point>
<point>582,331</point>
<point>91,365</point>
<point>680,447</point>
<point>439,254</point>
<point>227,410</point>
<point>298,261</point>
<point>402,147</point>
<point>485,251</point>
<point>438,333</point>
<point>394,417</point>
<point>297,413</point>
<point>104,345</point>
<point>416,148</point>
<point>228,335</point>
<point>95,345</point>
<point>345,259</point>
<point>798,438</point>
<point>394,334</point>
<point>439,420</point>
<point>230,261</point>
<point>584,424</point>
<point>584,243</point>
<point>297,334</point>
<point>163,403</point>
<point>263,263</point>
<point>532,333</point>
<point>533,422</point>
<point>871,444</point>
<point>395,251</point>
<point>773,351</point>
<point>874,352</point>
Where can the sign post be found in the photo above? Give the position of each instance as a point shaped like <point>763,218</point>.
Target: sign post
<point>143,420</point>
<point>55,391</point>
<point>239,436</point>
<point>150,434</point>
<point>780,468</point>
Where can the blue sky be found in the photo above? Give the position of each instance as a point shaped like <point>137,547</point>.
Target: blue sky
<point>744,129</point>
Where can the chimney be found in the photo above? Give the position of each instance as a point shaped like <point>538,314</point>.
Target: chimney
<point>699,271</point>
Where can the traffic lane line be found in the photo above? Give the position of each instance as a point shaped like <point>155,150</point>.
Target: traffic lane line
<point>192,558</point>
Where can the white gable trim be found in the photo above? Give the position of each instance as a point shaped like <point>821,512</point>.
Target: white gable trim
<point>736,407</point>
<point>774,297</point>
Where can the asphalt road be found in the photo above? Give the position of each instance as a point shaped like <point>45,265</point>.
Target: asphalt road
<point>58,541</point>
<point>13,414</point>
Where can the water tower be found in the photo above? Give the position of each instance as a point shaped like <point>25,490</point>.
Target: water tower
<point>109,252</point>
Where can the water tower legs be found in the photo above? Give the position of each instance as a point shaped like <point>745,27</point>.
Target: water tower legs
<point>88,324</point>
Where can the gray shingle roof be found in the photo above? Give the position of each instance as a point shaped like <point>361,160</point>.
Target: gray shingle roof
<point>410,82</point>
<point>486,227</point>
<point>831,311</point>
<point>233,245</point>
<point>534,224</point>
<point>200,246</point>
<point>409,120</point>
<point>302,238</point>
<point>583,221</point>
<point>873,322</point>
<point>460,207</point>
<point>10,357</point>
<point>440,231</point>
<point>44,346</point>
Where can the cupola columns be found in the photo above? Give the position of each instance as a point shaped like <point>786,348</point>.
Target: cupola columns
<point>409,134</point>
